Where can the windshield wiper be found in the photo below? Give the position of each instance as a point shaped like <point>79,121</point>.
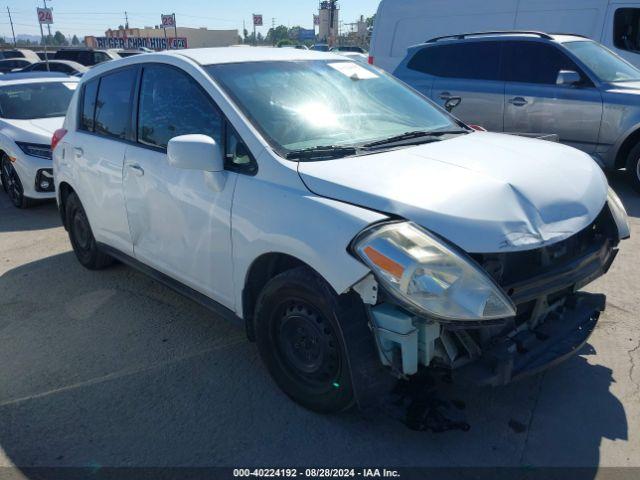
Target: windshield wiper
<point>434,134</point>
<point>321,152</point>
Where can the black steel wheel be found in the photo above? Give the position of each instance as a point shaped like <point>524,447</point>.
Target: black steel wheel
<point>81,237</point>
<point>299,338</point>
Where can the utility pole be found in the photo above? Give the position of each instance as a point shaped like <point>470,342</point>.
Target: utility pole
<point>13,33</point>
<point>175,30</point>
<point>126,21</point>
<point>48,26</point>
<point>273,31</point>
<point>332,13</point>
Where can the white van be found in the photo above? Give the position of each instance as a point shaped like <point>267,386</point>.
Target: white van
<point>402,23</point>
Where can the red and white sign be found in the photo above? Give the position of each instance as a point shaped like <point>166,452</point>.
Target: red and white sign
<point>168,21</point>
<point>45,16</point>
<point>257,20</point>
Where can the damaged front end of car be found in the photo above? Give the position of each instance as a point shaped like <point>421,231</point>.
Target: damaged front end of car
<point>483,319</point>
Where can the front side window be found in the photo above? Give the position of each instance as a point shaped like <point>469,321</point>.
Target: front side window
<point>172,104</point>
<point>532,62</point>
<point>308,104</point>
<point>36,100</point>
<point>605,64</point>
<point>626,29</point>
<point>112,105</point>
<point>475,61</point>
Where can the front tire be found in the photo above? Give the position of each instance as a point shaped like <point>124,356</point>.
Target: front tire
<point>12,184</point>
<point>81,237</point>
<point>633,168</point>
<point>300,341</point>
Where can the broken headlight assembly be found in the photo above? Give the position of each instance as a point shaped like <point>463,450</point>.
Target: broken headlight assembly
<point>619,214</point>
<point>430,277</point>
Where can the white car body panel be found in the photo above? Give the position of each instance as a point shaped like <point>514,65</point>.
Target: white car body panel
<point>472,190</point>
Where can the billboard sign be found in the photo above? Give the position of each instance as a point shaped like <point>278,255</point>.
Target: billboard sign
<point>45,16</point>
<point>132,43</point>
<point>316,19</point>
<point>257,20</point>
<point>168,21</point>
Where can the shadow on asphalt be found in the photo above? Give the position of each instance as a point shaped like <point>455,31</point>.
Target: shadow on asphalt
<point>113,369</point>
<point>40,216</point>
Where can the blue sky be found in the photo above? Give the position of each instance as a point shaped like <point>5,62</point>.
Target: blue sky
<point>90,17</point>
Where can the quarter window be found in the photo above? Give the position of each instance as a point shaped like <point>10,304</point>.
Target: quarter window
<point>112,106</point>
<point>172,104</point>
<point>476,61</point>
<point>90,90</point>
<point>626,29</point>
<point>532,62</point>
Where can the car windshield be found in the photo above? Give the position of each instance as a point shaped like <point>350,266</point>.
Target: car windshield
<point>606,65</point>
<point>311,104</point>
<point>35,100</point>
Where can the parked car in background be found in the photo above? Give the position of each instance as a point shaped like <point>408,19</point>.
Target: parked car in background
<point>537,83</point>
<point>402,23</point>
<point>63,66</point>
<point>21,53</point>
<point>10,64</point>
<point>348,48</point>
<point>42,55</point>
<point>320,47</point>
<point>130,52</point>
<point>32,107</point>
<point>358,57</point>
<point>355,229</point>
<point>86,56</point>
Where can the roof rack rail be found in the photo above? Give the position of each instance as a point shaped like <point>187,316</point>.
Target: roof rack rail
<point>462,36</point>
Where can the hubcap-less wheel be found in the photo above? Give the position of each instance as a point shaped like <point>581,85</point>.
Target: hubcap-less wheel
<point>81,233</point>
<point>306,344</point>
<point>12,183</point>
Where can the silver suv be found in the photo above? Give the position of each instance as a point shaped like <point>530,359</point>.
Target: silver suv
<point>532,82</point>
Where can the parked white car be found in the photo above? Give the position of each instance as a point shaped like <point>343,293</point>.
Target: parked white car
<point>356,230</point>
<point>32,107</point>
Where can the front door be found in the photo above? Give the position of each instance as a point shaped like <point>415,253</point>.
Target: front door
<point>535,104</point>
<point>180,224</point>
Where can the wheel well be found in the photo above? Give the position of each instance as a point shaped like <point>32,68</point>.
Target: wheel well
<point>263,269</point>
<point>65,190</point>
<point>630,142</point>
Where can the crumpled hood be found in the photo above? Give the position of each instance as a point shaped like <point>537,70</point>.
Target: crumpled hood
<point>37,130</point>
<point>485,192</point>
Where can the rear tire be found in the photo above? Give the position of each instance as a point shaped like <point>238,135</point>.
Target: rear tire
<point>300,341</point>
<point>81,237</point>
<point>633,168</point>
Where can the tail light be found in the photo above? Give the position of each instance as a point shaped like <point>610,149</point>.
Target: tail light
<point>370,60</point>
<point>57,136</point>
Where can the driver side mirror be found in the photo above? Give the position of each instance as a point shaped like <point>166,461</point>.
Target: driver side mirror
<point>198,152</point>
<point>568,78</point>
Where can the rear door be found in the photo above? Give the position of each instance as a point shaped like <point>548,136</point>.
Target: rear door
<point>99,147</point>
<point>179,224</point>
<point>535,104</point>
<point>470,71</point>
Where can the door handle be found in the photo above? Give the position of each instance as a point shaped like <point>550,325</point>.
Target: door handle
<point>78,152</point>
<point>518,101</point>
<point>445,96</point>
<point>137,169</point>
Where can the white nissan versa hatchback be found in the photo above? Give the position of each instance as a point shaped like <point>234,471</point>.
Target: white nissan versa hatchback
<point>358,231</point>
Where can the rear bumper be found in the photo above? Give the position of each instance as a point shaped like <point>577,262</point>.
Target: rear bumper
<point>532,351</point>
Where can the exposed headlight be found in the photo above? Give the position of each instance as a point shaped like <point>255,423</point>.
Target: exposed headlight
<point>425,274</point>
<point>619,214</point>
<point>36,149</point>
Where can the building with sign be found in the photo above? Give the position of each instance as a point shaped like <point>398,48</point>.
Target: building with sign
<point>155,38</point>
<point>328,21</point>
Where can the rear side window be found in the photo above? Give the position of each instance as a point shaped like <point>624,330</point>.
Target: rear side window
<point>112,104</point>
<point>529,62</point>
<point>89,92</point>
<point>172,104</point>
<point>475,61</point>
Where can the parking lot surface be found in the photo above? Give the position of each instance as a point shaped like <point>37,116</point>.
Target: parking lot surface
<point>111,368</point>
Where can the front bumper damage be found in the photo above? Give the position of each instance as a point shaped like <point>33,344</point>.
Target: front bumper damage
<point>554,319</point>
